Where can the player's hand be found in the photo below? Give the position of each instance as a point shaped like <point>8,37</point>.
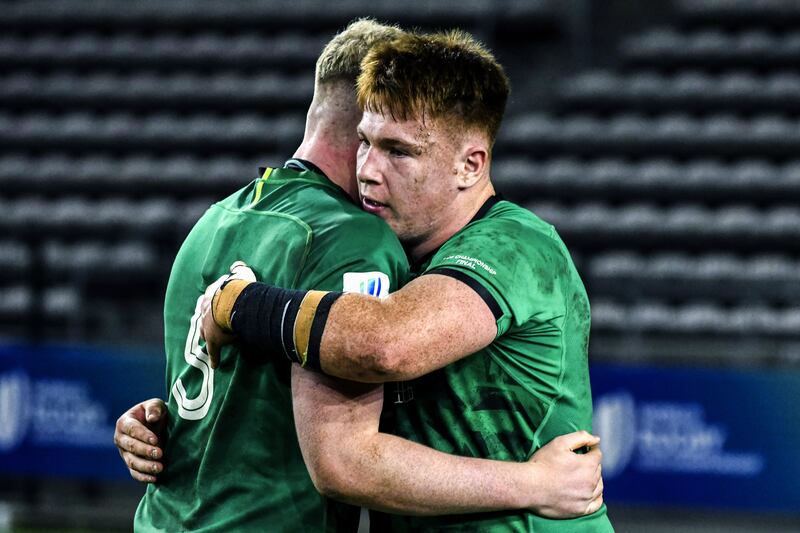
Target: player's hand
<point>569,484</point>
<point>210,331</point>
<point>137,437</point>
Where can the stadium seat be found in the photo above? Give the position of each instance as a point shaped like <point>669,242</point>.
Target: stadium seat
<point>61,302</point>
<point>695,318</point>
<point>195,51</point>
<point>58,303</point>
<point>668,49</point>
<point>724,277</point>
<point>15,260</point>
<point>133,175</point>
<point>148,92</point>
<point>691,91</point>
<point>15,301</point>
<point>158,131</point>
<point>636,135</point>
<point>80,217</point>
<point>191,212</point>
<point>739,13</point>
<point>691,226</point>
<point>617,178</point>
<point>85,259</point>
<point>251,14</point>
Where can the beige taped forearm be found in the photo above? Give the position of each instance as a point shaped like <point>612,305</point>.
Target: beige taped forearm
<point>304,321</point>
<point>224,300</point>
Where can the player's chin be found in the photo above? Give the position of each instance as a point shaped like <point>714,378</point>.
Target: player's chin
<point>387,214</point>
<point>395,223</point>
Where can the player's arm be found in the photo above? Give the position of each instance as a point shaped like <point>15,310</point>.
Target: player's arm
<point>350,460</point>
<point>429,323</point>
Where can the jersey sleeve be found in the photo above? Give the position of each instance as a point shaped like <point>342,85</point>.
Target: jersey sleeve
<point>357,256</point>
<point>517,270</point>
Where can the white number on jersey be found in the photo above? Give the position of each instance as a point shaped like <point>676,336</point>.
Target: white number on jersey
<point>195,408</point>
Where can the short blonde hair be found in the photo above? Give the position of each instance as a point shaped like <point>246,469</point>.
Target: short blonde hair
<point>340,60</point>
<point>448,74</point>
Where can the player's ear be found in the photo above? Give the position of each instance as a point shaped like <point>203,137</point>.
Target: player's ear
<point>473,164</point>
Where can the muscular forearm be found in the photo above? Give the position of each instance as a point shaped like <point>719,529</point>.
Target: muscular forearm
<point>398,476</point>
<point>349,459</point>
<point>430,323</point>
<point>370,354</point>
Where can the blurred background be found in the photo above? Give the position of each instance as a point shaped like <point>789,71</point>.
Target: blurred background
<point>661,138</point>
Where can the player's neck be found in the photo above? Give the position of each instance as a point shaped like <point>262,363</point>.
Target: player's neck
<point>465,207</point>
<point>330,140</point>
<point>336,160</point>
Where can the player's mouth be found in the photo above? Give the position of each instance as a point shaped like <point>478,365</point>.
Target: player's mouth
<point>372,206</point>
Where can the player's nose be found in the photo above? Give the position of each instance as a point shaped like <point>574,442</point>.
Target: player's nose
<point>368,168</point>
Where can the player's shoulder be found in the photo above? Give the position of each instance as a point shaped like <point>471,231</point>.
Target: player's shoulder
<point>359,230</point>
<point>355,251</point>
<point>509,225</point>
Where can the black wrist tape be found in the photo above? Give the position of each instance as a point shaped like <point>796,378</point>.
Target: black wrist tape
<point>283,321</point>
<point>317,328</point>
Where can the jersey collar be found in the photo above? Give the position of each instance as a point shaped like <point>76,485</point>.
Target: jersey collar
<point>487,205</point>
<point>490,202</point>
<point>301,165</point>
<point>304,165</point>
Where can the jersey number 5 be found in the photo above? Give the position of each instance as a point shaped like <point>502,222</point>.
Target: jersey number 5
<point>195,408</point>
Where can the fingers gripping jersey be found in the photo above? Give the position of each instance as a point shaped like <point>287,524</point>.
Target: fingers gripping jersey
<point>232,458</point>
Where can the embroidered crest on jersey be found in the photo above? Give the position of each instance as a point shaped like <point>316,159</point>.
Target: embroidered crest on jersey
<point>371,283</point>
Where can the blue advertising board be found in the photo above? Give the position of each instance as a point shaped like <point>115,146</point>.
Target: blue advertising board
<point>58,406</point>
<point>670,436</point>
<point>700,437</point>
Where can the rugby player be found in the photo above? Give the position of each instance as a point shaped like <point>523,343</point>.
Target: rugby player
<point>233,457</point>
<point>489,343</point>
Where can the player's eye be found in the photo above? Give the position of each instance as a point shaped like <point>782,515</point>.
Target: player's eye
<point>397,152</point>
<point>362,141</point>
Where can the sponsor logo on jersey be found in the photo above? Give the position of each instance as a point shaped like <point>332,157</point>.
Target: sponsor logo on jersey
<point>371,283</point>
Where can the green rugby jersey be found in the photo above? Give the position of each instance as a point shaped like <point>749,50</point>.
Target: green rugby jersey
<point>529,385</point>
<point>232,460</point>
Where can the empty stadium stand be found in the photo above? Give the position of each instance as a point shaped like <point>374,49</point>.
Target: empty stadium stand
<point>672,173</point>
<point>656,179</point>
<point>671,169</point>
<point>122,121</point>
<point>713,49</point>
<point>688,91</point>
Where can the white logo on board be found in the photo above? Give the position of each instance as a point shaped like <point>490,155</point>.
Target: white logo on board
<point>15,401</point>
<point>615,422</point>
<point>663,436</point>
